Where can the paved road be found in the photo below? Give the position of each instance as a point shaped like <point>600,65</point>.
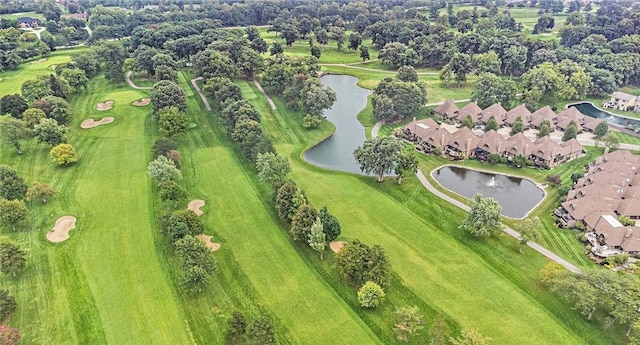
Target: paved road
<point>273,105</point>
<point>540,249</point>
<point>194,82</point>
<point>134,85</point>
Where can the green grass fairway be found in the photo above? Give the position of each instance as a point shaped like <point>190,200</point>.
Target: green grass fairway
<point>481,284</point>
<point>31,14</point>
<point>107,283</point>
<point>287,286</point>
<point>11,81</point>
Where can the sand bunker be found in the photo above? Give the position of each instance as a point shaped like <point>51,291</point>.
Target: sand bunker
<point>195,205</point>
<point>39,61</point>
<point>53,67</point>
<point>336,246</point>
<point>104,106</point>
<point>207,242</point>
<point>90,123</point>
<point>141,103</point>
<point>60,231</point>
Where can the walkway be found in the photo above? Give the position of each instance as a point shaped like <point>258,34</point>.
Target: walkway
<point>369,69</point>
<point>273,105</point>
<point>540,249</point>
<point>134,85</point>
<point>194,82</point>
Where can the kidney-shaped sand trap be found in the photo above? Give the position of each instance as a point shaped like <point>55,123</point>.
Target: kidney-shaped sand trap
<point>336,246</point>
<point>60,231</point>
<point>194,205</point>
<point>207,242</point>
<point>104,106</point>
<point>141,103</point>
<point>90,123</point>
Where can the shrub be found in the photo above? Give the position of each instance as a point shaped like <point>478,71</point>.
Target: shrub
<point>555,180</point>
<point>171,191</point>
<point>7,303</point>
<point>370,295</point>
<point>312,121</point>
<point>626,221</point>
<point>63,154</point>
<point>237,324</point>
<point>162,146</point>
<point>564,190</point>
<point>494,158</point>
<point>358,263</point>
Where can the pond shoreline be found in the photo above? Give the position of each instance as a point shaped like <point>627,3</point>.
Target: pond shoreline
<point>540,186</point>
<point>602,110</point>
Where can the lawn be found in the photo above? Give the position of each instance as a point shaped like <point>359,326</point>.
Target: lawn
<point>11,81</point>
<point>451,276</point>
<point>31,14</point>
<point>107,283</point>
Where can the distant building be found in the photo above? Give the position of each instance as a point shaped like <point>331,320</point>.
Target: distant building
<point>623,101</point>
<point>28,22</point>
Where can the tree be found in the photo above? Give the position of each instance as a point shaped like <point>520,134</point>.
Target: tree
<point>112,53</point>
<point>261,332</point>
<point>162,146</point>
<point>315,51</point>
<point>517,127</point>
<point>276,49</point>
<point>407,74</point>
<point>237,325</point>
<point>330,224</point>
<point>12,185</point>
<point>196,262</point>
<point>272,168</point>
<point>601,129</point>
<point>40,191</point>
<point>337,33</point>
<point>491,89</point>
<point>470,336</point>
<point>378,155</point>
<point>460,66</point>
<point>467,122</point>
<point>529,231</point>
<point>14,105</point>
<point>7,304</point>
<point>483,219</point>
<point>355,40</point>
<point>54,108</point>
<point>49,132</point>
<point>611,141</point>
<point>12,212</point>
<point>172,122</point>
<point>409,322</point>
<point>76,77</point>
<point>32,117</point>
<point>364,53</point>
<point>37,88</point>
<point>394,54</point>
<point>165,94</point>
<point>371,295</point>
<point>290,34</point>
<point>446,75</point>
<point>311,121</point>
<point>545,23</point>
<point>250,62</point>
<point>315,97</point>
<point>407,164</point>
<point>12,259</point>
<point>288,199</point>
<point>63,154</point>
<point>513,59</point>
<point>302,222</point>
<point>9,336</point>
<point>171,191</point>
<point>163,169</point>
<point>544,78</point>
<point>570,132</point>
<point>316,238</point>
<point>492,124</point>
<point>545,129</point>
<point>519,161</point>
<point>488,62</point>
<point>552,274</point>
<point>14,130</point>
<point>439,330</point>
<point>358,263</point>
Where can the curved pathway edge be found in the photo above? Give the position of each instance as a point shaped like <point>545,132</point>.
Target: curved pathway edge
<point>264,93</point>
<point>128,77</point>
<point>194,82</point>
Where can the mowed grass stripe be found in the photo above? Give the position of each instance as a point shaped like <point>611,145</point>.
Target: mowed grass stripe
<point>116,248</point>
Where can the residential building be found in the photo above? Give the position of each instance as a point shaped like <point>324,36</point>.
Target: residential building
<point>622,101</point>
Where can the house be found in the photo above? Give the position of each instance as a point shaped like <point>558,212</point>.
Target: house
<point>489,143</point>
<point>622,101</point>
<point>416,129</point>
<point>427,134</point>
<point>616,238</point>
<point>447,110</point>
<point>590,124</point>
<point>472,110</point>
<point>519,111</point>
<point>569,115</point>
<point>545,153</point>
<point>541,115</point>
<point>28,22</point>
<point>571,149</point>
<point>516,145</point>
<point>461,143</point>
<point>497,111</point>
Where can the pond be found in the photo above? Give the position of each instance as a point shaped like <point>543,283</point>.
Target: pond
<point>336,152</point>
<point>589,110</point>
<point>516,195</point>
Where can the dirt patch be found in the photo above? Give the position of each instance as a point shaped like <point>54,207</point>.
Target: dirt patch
<point>53,67</point>
<point>104,106</point>
<point>90,123</point>
<point>60,231</point>
<point>39,61</point>
<point>336,246</point>
<point>195,205</point>
<point>141,103</point>
<point>207,242</point>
